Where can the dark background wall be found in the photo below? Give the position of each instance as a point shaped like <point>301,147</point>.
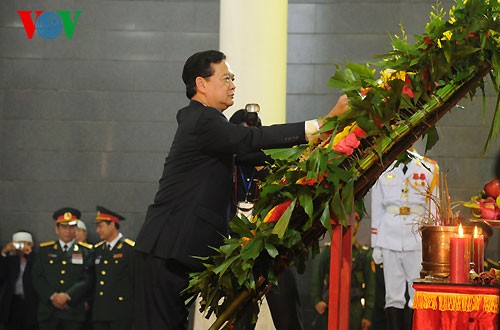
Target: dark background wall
<point>88,121</point>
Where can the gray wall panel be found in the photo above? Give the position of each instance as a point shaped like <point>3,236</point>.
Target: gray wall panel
<point>98,105</point>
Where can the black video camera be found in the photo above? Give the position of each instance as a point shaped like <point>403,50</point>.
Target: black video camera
<point>252,114</point>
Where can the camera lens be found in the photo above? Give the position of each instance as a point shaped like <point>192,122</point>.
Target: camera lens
<point>19,245</point>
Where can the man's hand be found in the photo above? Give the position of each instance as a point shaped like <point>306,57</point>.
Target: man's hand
<point>339,108</point>
<point>8,248</point>
<point>377,255</point>
<point>366,324</point>
<point>60,300</point>
<point>27,249</point>
<point>321,307</point>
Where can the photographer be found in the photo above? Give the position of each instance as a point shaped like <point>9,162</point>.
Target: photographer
<point>249,167</point>
<point>18,303</point>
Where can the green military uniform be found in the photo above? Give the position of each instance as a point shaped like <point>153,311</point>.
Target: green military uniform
<point>113,300</point>
<point>362,286</point>
<point>63,267</point>
<point>113,307</point>
<point>57,271</point>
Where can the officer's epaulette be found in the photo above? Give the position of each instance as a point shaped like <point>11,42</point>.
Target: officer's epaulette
<point>99,244</point>
<point>86,245</point>
<point>49,243</point>
<point>129,241</point>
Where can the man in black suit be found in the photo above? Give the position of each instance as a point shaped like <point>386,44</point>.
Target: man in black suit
<point>190,212</point>
<point>18,302</point>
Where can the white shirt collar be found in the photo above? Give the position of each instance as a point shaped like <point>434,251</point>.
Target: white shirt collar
<point>113,242</point>
<point>69,244</point>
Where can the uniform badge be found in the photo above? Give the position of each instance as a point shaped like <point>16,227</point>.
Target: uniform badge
<point>77,259</point>
<point>98,260</point>
<point>118,255</point>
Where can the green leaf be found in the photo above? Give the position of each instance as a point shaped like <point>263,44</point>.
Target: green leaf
<point>280,228</point>
<point>348,196</point>
<point>432,138</point>
<point>271,250</point>
<point>305,201</point>
<point>225,265</point>
<point>252,249</point>
<point>285,153</point>
<point>325,217</point>
<point>229,248</point>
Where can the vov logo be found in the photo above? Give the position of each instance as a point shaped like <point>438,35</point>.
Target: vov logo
<point>49,25</point>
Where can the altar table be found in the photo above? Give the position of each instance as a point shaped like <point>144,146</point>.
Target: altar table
<point>448,306</point>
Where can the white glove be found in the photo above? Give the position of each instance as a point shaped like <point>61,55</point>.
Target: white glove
<point>377,255</point>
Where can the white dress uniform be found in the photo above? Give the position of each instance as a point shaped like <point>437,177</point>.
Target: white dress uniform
<point>399,202</point>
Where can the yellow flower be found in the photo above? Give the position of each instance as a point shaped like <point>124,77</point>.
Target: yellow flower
<point>389,74</point>
<point>338,137</point>
<point>447,35</point>
<point>439,43</point>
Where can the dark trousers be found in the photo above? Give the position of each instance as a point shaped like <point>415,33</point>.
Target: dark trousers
<point>158,302</point>
<point>284,303</point>
<point>114,325</point>
<point>18,320</point>
<point>57,324</point>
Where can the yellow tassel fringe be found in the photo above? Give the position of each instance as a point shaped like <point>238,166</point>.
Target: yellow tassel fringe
<point>455,302</point>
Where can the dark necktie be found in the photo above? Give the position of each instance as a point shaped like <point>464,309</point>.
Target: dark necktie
<point>65,248</point>
<point>108,246</point>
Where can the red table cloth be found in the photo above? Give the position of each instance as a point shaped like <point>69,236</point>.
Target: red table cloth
<point>447,306</point>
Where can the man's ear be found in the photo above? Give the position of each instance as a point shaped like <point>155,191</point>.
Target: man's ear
<point>200,84</point>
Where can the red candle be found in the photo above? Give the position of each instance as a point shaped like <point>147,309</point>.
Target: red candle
<point>478,252</point>
<point>460,257</point>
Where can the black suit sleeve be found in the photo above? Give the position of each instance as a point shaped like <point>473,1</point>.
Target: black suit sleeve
<point>216,134</point>
<point>257,158</point>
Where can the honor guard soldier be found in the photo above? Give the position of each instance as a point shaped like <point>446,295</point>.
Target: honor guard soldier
<point>400,200</point>
<point>113,300</point>
<point>63,276</point>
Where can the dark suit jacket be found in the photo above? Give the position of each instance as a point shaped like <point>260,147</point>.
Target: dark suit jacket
<point>190,212</point>
<point>9,272</point>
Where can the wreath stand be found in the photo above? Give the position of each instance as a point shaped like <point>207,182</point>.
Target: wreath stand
<point>340,277</point>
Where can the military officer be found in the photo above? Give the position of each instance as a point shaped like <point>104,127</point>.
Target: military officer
<point>113,301</point>
<point>63,276</point>
<point>400,199</point>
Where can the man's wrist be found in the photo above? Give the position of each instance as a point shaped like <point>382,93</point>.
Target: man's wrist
<point>311,129</point>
